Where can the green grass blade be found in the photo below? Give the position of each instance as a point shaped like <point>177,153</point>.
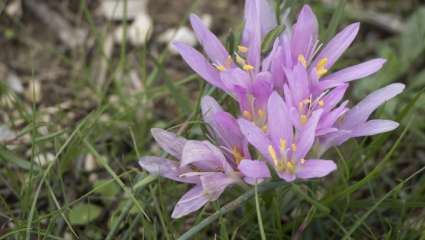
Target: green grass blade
<point>260,220</point>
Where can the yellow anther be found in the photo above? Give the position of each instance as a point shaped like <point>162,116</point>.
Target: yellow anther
<point>290,165</point>
<point>273,154</point>
<point>302,60</point>
<point>242,49</point>
<point>261,113</point>
<point>294,147</point>
<point>247,115</point>
<point>303,119</point>
<point>247,67</point>
<point>237,155</point>
<point>265,128</point>
<point>240,60</point>
<point>302,160</point>
<point>282,144</point>
<point>321,67</point>
<point>321,103</point>
<point>220,67</point>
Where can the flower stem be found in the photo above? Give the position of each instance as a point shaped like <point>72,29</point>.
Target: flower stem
<point>260,220</point>
<point>229,207</point>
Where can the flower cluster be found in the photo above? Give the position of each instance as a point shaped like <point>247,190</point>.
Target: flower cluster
<point>291,107</point>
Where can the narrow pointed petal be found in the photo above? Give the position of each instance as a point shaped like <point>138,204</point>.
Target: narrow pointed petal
<point>199,64</point>
<point>254,169</point>
<point>307,135</point>
<point>203,155</point>
<point>165,168</point>
<point>170,142</point>
<point>215,184</point>
<point>334,97</point>
<point>287,177</point>
<point>191,201</point>
<point>227,131</point>
<point>316,168</point>
<point>255,136</point>
<point>209,107</point>
<point>361,112</point>
<point>262,89</point>
<point>305,33</point>
<point>337,46</point>
<point>278,120</point>
<point>333,139</point>
<point>374,127</point>
<point>352,73</point>
<point>211,44</point>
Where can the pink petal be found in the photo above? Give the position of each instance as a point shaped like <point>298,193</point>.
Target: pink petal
<point>215,184</point>
<point>255,136</point>
<point>315,168</point>
<point>166,168</point>
<point>307,135</point>
<point>170,142</point>
<point>254,169</point>
<point>278,120</point>
<point>191,201</point>
<point>374,127</point>
<point>305,33</point>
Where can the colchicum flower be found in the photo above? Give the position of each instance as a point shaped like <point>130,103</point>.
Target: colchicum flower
<point>284,148</point>
<point>289,101</point>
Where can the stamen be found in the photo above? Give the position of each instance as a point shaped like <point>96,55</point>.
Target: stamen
<point>321,103</point>
<point>303,119</point>
<point>242,49</point>
<point>261,113</point>
<point>294,147</point>
<point>237,155</point>
<point>282,144</point>
<point>321,67</point>
<point>273,155</point>
<point>247,115</point>
<point>240,60</point>
<point>265,128</point>
<point>302,60</point>
<point>290,165</point>
<point>300,106</point>
<point>247,67</point>
<point>220,67</point>
<point>302,160</point>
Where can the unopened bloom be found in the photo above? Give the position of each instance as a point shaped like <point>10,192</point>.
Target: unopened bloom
<point>200,163</point>
<point>283,148</point>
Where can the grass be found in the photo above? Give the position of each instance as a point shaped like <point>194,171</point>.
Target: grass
<point>378,191</point>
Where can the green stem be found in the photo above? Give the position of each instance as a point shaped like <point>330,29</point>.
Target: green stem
<point>260,220</point>
<point>229,207</point>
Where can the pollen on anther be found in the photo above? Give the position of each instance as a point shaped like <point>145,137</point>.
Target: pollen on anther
<point>294,147</point>
<point>321,103</point>
<point>302,160</point>
<point>220,68</point>
<point>302,60</point>
<point>303,119</point>
<point>242,49</point>
<point>282,144</point>
<point>247,115</point>
<point>247,67</point>
<point>265,128</point>
<point>261,113</point>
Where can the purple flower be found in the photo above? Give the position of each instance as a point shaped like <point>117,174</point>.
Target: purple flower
<point>301,45</point>
<point>200,163</point>
<point>240,74</point>
<point>284,147</point>
<point>355,122</point>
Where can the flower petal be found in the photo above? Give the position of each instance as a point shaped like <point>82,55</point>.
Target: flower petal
<point>361,112</point>
<point>215,184</point>
<point>209,107</point>
<point>305,33</point>
<point>307,135</point>
<point>278,120</point>
<point>191,201</point>
<point>316,168</point>
<point>352,73</point>
<point>199,64</point>
<point>374,127</point>
<point>337,46</point>
<point>166,168</point>
<point>255,136</point>
<point>254,169</point>
<point>170,142</point>
<point>211,44</point>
